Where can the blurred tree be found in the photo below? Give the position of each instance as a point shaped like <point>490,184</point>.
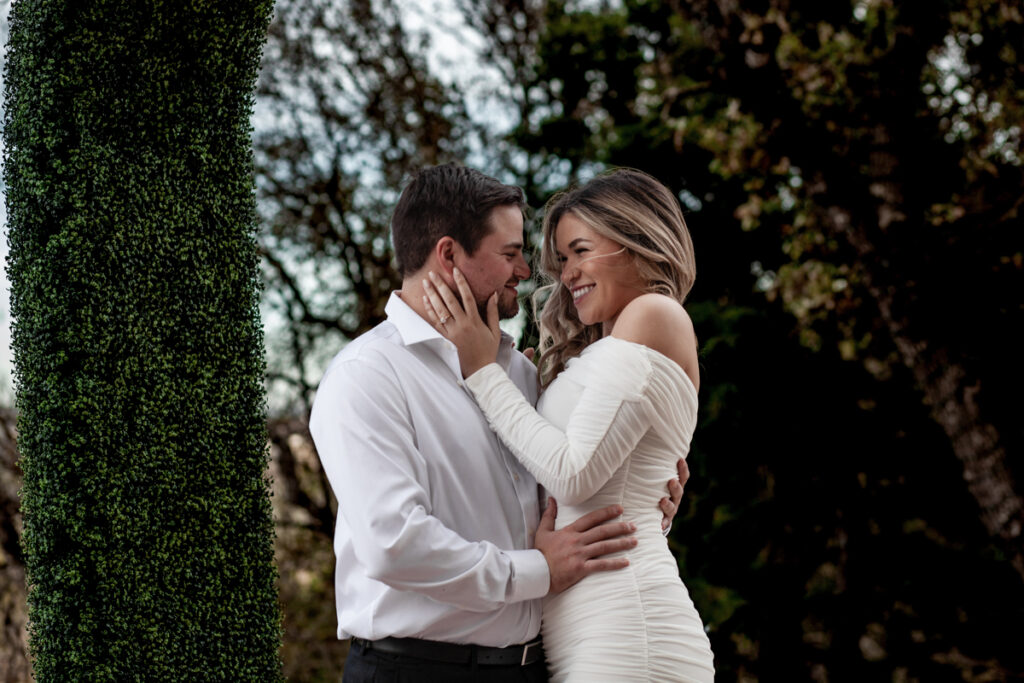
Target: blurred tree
<point>509,32</point>
<point>348,107</point>
<point>858,166</point>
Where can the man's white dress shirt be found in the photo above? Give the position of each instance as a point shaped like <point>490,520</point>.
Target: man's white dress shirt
<point>435,517</point>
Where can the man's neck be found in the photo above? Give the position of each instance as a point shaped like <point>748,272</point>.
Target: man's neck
<point>412,294</point>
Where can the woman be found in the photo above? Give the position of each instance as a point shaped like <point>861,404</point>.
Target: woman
<point>619,363</point>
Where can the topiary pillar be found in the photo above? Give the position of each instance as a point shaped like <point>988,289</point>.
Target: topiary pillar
<point>137,339</point>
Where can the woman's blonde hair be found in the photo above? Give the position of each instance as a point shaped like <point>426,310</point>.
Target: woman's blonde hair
<point>636,211</point>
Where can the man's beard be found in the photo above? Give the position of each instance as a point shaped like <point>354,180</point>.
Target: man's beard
<point>506,309</point>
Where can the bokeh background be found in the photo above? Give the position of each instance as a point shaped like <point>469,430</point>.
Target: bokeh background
<point>853,178</point>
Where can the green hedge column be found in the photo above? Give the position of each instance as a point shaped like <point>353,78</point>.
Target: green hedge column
<point>137,339</point>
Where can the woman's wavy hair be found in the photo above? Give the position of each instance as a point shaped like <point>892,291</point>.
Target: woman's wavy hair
<point>636,211</point>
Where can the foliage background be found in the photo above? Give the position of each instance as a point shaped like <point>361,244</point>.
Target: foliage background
<point>851,173</point>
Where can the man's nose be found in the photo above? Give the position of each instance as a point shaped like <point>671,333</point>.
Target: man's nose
<point>522,269</point>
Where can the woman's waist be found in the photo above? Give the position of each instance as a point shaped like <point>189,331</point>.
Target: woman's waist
<point>647,515</point>
<point>648,534</point>
<point>638,495</point>
<point>652,573</point>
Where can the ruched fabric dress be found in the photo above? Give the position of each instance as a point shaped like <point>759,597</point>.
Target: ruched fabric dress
<point>609,430</point>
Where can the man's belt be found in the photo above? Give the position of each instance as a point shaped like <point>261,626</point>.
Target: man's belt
<point>517,655</point>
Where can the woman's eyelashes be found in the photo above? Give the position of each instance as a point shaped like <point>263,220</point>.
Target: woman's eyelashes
<point>578,252</point>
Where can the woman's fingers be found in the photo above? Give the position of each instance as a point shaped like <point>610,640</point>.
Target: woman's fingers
<point>451,302</point>
<point>465,292</point>
<point>430,310</point>
<point>436,306</point>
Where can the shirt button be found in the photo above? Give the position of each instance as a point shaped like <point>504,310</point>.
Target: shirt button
<point>516,477</point>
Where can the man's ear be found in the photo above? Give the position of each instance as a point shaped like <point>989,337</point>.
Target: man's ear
<point>445,251</point>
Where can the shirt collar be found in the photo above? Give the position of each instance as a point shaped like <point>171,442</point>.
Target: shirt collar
<point>414,329</point>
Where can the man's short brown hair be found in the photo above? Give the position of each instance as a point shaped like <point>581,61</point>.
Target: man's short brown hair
<point>448,200</point>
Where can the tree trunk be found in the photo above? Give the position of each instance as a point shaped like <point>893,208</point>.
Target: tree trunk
<point>951,395</point>
<point>953,400</point>
<point>14,662</point>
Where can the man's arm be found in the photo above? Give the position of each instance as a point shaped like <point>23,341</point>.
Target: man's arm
<point>366,442</point>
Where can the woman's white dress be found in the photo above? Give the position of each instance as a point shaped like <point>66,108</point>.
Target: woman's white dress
<point>609,430</point>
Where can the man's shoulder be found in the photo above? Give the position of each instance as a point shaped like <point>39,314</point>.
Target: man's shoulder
<point>362,373</point>
<point>521,362</point>
<point>369,351</point>
<point>383,336</point>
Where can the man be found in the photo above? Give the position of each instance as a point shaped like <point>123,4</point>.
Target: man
<point>442,553</point>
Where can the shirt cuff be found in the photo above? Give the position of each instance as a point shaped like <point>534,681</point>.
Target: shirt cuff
<point>530,576</point>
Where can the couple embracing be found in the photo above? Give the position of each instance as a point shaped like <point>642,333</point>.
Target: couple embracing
<point>435,433</point>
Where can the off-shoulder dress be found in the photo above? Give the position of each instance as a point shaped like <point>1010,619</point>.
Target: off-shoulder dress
<point>609,430</point>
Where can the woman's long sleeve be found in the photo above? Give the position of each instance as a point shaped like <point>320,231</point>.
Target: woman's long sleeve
<point>612,415</point>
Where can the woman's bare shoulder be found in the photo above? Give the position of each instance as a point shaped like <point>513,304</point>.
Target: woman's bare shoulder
<point>660,323</point>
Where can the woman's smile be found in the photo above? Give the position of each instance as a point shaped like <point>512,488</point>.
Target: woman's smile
<point>580,292</point>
